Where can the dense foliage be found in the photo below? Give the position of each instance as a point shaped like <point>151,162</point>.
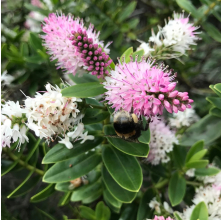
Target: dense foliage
<point>61,157</point>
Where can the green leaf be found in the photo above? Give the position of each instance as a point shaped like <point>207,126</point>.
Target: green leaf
<point>25,186</point>
<point>189,7</point>
<point>179,153</point>
<point>84,90</point>
<point>84,192</point>
<point>45,214</point>
<point>198,146</point>
<point>60,152</point>
<point>131,148</point>
<point>202,130</point>
<point>177,216</point>
<point>197,164</point>
<point>197,156</point>
<point>215,90</point>
<point>87,213</point>
<point>85,78</point>
<point>24,50</point>
<point>209,171</point>
<point>125,13</point>
<point>93,196</point>
<point>138,55</point>
<point>124,169</point>
<point>65,199</point>
<point>35,42</point>
<point>102,212</point>
<point>72,168</point>
<point>212,31</point>
<point>94,116</point>
<point>216,101</point>
<point>215,112</point>
<point>126,55</point>
<point>177,188</point>
<point>200,212</point>
<point>218,87</point>
<point>32,149</point>
<point>44,194</point>
<point>144,211</point>
<point>115,190</point>
<point>114,204</point>
<point>92,177</point>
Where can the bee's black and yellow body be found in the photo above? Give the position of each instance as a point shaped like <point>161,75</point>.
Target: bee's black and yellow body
<point>126,125</point>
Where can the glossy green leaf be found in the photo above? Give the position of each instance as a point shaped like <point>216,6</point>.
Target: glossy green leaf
<point>209,171</point>
<point>218,87</point>
<point>198,146</point>
<point>138,55</point>
<point>212,31</point>
<point>114,204</point>
<point>94,116</point>
<point>102,212</point>
<point>86,191</point>
<point>93,196</point>
<point>215,112</point>
<point>216,90</point>
<point>87,213</point>
<point>216,101</point>
<point>115,190</point>
<point>179,154</point>
<point>145,137</point>
<point>124,168</point>
<point>200,212</point>
<point>85,78</point>
<point>131,148</point>
<point>92,177</point>
<point>202,130</point>
<point>32,149</point>
<point>126,55</point>
<point>65,199</point>
<point>126,12</point>
<point>144,211</point>
<point>197,156</point>
<point>44,194</point>
<point>72,168</point>
<point>177,216</point>
<point>84,90</point>
<point>189,7</point>
<point>177,188</point>
<point>60,152</point>
<point>197,164</point>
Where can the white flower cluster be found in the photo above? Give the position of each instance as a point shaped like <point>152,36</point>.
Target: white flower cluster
<point>210,194</point>
<point>182,119</point>
<point>6,79</point>
<point>12,124</point>
<point>161,142</point>
<point>48,114</point>
<point>177,35</point>
<point>154,204</point>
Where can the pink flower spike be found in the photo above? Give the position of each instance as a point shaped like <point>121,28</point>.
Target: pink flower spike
<point>69,50</point>
<point>129,86</point>
<point>190,101</point>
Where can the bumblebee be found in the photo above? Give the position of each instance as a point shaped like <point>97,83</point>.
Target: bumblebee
<point>127,125</point>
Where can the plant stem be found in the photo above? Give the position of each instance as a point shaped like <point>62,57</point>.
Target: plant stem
<point>22,163</point>
<point>96,106</point>
<point>193,183</point>
<point>161,184</point>
<point>211,6</point>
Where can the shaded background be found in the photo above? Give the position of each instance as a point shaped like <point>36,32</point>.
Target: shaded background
<point>120,21</point>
